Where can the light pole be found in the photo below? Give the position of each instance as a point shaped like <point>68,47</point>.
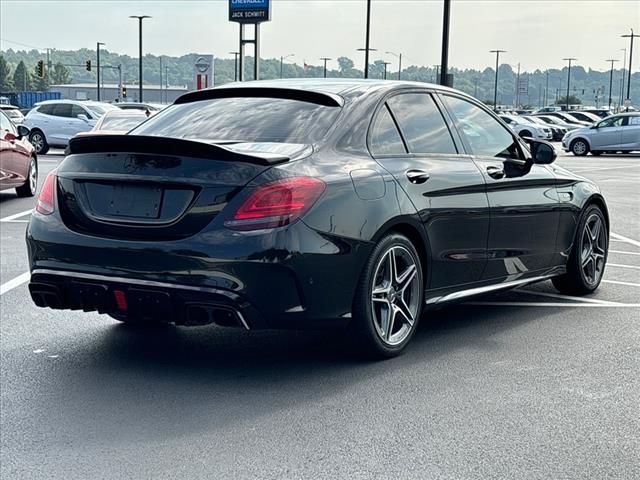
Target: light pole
<point>166,84</point>
<point>235,65</point>
<point>325,60</point>
<point>140,18</point>
<point>631,36</point>
<point>436,79</point>
<point>366,57</point>
<point>624,69</point>
<point>611,80</point>
<point>399,56</point>
<point>546,90</point>
<point>495,88</point>
<point>282,59</point>
<point>98,70</point>
<point>385,69</point>
<point>444,61</point>
<point>568,78</point>
<point>367,48</point>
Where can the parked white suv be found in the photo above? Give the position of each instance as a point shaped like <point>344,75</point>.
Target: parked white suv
<point>54,122</point>
<point>525,128</point>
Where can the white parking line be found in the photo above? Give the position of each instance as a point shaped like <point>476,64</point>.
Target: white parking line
<point>16,215</point>
<point>16,282</point>
<point>625,239</point>
<point>618,282</point>
<point>622,252</point>
<point>619,265</point>
<point>555,305</point>
<point>567,297</point>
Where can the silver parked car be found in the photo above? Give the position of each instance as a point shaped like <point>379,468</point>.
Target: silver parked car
<point>617,133</point>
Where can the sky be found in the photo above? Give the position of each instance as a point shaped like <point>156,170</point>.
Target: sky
<point>537,34</point>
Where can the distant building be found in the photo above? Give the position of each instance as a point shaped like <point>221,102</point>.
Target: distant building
<point>110,92</point>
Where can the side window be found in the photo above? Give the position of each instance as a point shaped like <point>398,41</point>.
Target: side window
<point>611,122</point>
<point>46,109</point>
<point>485,135</point>
<point>62,110</point>
<point>422,124</point>
<point>633,121</point>
<point>385,138</point>
<point>78,110</point>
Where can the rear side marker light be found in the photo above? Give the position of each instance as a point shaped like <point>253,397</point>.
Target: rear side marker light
<point>47,198</point>
<point>121,300</point>
<point>277,204</point>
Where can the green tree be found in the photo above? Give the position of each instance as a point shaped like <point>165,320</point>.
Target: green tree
<point>22,78</point>
<point>60,74</point>
<point>6,82</point>
<point>345,64</point>
<point>573,100</point>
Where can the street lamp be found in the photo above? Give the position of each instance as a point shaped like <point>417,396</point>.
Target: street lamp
<point>399,56</point>
<point>98,71</point>
<point>568,78</point>
<point>495,88</point>
<point>235,65</point>
<point>611,80</point>
<point>385,69</point>
<point>631,36</point>
<point>444,61</point>
<point>366,51</point>
<point>140,18</point>
<point>367,48</point>
<point>325,59</point>
<point>282,59</point>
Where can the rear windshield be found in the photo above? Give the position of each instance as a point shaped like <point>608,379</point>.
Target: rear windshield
<point>122,123</point>
<point>243,119</point>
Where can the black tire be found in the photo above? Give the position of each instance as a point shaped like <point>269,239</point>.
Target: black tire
<point>39,141</point>
<point>579,147</point>
<point>525,133</point>
<point>596,153</point>
<point>365,330</point>
<point>576,281</point>
<point>30,187</point>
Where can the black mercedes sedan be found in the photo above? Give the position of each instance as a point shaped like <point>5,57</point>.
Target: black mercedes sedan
<point>311,203</point>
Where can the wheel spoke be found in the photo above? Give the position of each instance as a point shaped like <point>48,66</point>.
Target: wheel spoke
<point>387,323</point>
<point>595,230</point>
<point>393,268</point>
<point>406,278</point>
<point>403,309</point>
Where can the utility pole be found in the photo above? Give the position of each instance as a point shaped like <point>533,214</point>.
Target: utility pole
<point>98,70</point>
<point>631,36</point>
<point>518,87</point>
<point>568,78</point>
<point>495,88</point>
<point>325,59</point>
<point>611,80</point>
<point>399,56</point>
<point>444,59</point>
<point>166,84</point>
<point>546,90</point>
<point>385,69</point>
<point>140,18</point>
<point>235,65</point>
<point>48,60</point>
<point>366,50</point>
<point>366,41</point>
<point>161,78</point>
<point>282,59</point>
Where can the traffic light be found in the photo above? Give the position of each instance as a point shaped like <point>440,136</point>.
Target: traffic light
<point>124,92</point>
<point>40,69</point>
<point>88,65</point>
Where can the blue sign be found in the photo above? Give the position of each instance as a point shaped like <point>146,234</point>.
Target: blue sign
<point>249,11</point>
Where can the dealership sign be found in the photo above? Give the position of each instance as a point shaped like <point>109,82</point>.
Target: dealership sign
<point>203,71</point>
<point>249,11</point>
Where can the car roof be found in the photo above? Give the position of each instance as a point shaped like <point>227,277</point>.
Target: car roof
<point>4,106</point>
<point>330,88</point>
<point>126,113</point>
<point>73,102</point>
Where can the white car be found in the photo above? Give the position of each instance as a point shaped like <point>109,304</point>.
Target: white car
<point>54,122</point>
<point>525,128</point>
<point>617,133</point>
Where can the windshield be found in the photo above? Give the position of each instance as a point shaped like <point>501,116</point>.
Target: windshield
<point>244,120</point>
<point>123,123</point>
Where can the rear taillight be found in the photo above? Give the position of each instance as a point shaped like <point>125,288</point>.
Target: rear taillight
<point>277,204</point>
<point>47,198</point>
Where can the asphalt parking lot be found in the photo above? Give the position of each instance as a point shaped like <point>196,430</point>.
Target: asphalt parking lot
<point>523,384</point>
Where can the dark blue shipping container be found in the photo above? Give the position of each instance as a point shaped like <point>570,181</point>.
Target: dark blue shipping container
<point>26,100</point>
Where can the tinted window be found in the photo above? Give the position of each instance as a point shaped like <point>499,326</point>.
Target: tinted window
<point>611,122</point>
<point>78,110</point>
<point>46,109</point>
<point>62,110</point>
<point>243,119</point>
<point>633,121</point>
<point>485,135</point>
<point>421,123</point>
<point>385,138</point>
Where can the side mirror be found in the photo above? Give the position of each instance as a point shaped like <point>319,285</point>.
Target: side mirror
<point>22,131</point>
<point>82,116</point>
<point>542,152</point>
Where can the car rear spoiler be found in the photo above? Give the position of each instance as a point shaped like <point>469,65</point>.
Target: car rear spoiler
<point>168,146</point>
<point>310,96</point>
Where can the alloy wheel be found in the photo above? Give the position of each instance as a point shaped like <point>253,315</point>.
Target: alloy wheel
<point>37,140</point>
<point>395,295</point>
<point>579,148</point>
<point>33,176</point>
<point>594,248</point>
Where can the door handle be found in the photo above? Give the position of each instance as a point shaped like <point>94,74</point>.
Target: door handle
<point>495,172</point>
<point>417,176</point>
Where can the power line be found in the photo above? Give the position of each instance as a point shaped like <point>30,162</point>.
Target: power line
<point>22,44</point>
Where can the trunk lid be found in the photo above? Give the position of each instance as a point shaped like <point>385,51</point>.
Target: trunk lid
<point>155,188</point>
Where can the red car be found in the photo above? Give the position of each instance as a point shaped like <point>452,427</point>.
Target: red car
<point>18,162</point>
